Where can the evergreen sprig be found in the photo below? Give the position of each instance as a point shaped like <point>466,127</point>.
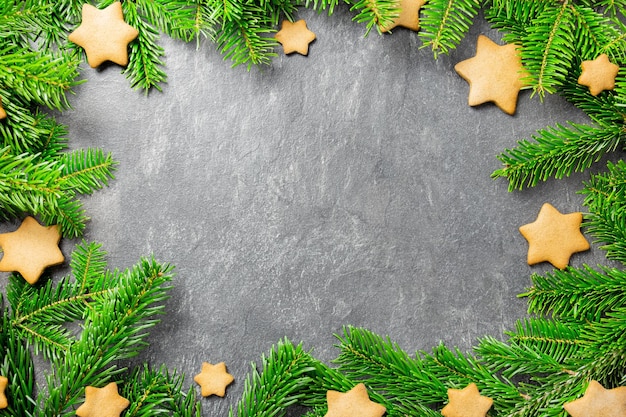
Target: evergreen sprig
<point>37,175</point>
<point>444,23</point>
<point>115,311</point>
<point>49,187</point>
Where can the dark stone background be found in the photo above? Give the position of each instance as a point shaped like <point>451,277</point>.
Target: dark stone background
<point>351,186</point>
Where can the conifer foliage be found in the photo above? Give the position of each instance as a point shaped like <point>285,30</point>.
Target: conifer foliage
<point>576,329</point>
<point>114,311</point>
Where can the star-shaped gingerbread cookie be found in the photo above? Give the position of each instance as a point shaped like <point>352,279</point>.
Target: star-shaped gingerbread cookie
<point>102,402</point>
<point>295,37</point>
<point>494,74</point>
<point>554,237</point>
<point>213,379</point>
<point>408,17</point>
<point>354,403</point>
<point>466,402</point>
<point>599,402</point>
<point>104,35</point>
<point>598,74</point>
<point>30,249</point>
<point>4,381</point>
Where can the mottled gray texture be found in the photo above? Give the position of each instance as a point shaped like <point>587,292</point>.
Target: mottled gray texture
<point>351,186</point>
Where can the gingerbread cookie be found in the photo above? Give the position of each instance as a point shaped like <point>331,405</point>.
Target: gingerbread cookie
<point>354,403</point>
<point>104,35</point>
<point>598,75</point>
<point>494,74</point>
<point>295,37</point>
<point>408,17</point>
<point>466,402</point>
<point>30,249</point>
<point>4,381</point>
<point>3,113</point>
<point>599,402</point>
<point>213,379</point>
<point>102,402</point>
<point>554,237</point>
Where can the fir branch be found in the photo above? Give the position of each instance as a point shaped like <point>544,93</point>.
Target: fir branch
<point>550,338</point>
<point>40,313</point>
<point>548,48</point>
<point>603,109</point>
<point>375,13</point>
<point>115,328</point>
<point>444,23</point>
<point>284,375</point>
<point>319,5</point>
<point>21,22</point>
<point>594,33</point>
<point>26,186</point>
<point>154,393</point>
<point>37,77</point>
<point>88,266</point>
<point>385,367</point>
<point>85,171</point>
<point>175,18</point>
<point>604,196</point>
<point>581,294</point>
<point>204,20</point>
<point>513,17</point>
<point>17,365</point>
<point>27,131</point>
<point>513,360</point>
<point>145,67</point>
<point>557,152</point>
<point>244,41</point>
<point>459,370</point>
<point>48,188</point>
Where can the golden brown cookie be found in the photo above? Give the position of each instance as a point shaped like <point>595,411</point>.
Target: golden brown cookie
<point>3,113</point>
<point>4,381</point>
<point>354,403</point>
<point>409,16</point>
<point>598,75</point>
<point>213,379</point>
<point>30,249</point>
<point>466,402</point>
<point>494,74</point>
<point>102,402</point>
<point>599,402</point>
<point>295,37</point>
<point>554,237</point>
<point>104,35</point>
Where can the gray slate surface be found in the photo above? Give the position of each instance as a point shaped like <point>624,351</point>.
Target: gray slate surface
<point>351,186</point>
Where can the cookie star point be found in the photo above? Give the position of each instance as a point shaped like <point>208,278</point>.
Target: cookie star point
<point>408,17</point>
<point>598,74</point>
<point>353,403</point>
<point>495,74</point>
<point>599,402</point>
<point>554,237</point>
<point>295,37</point>
<point>213,379</point>
<point>3,113</point>
<point>104,35</point>
<point>466,402</point>
<point>102,402</point>
<point>4,381</point>
<point>31,249</point>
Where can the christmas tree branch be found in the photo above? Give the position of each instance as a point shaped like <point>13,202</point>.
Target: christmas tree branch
<point>444,23</point>
<point>557,152</point>
<point>605,194</point>
<point>583,294</point>
<point>115,328</point>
